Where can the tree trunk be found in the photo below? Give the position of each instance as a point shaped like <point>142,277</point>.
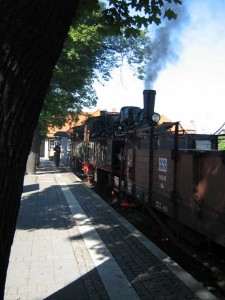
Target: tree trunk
<point>32,33</point>
<point>33,158</point>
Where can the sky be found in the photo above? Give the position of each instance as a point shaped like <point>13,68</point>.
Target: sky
<point>189,78</point>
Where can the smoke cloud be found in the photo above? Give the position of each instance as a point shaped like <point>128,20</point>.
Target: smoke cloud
<point>165,43</point>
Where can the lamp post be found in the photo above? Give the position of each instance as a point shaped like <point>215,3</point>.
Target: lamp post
<point>153,121</point>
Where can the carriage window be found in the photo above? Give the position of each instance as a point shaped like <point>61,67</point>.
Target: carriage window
<point>203,144</point>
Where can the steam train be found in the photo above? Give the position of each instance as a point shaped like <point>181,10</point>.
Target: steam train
<point>176,174</point>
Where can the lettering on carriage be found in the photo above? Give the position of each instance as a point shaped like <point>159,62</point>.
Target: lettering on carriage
<point>162,164</point>
<point>162,177</point>
<point>162,185</point>
<point>161,207</point>
<point>165,208</point>
<point>158,205</point>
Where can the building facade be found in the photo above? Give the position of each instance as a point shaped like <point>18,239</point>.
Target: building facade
<point>63,137</point>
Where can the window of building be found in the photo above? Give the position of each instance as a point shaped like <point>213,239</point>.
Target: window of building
<point>51,144</point>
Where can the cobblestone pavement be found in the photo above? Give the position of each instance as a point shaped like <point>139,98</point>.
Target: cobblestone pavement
<point>69,244</point>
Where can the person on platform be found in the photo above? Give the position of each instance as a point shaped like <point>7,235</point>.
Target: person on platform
<point>57,155</point>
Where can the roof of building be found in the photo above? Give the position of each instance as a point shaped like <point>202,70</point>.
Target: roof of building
<point>67,127</point>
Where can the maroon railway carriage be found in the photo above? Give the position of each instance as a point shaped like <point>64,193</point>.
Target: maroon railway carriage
<point>180,175</point>
<point>176,174</point>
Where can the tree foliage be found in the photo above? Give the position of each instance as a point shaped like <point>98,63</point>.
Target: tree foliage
<point>100,39</point>
<point>130,16</point>
<point>221,142</point>
<point>90,52</point>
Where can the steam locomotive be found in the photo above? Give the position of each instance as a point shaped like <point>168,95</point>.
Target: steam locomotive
<point>158,165</point>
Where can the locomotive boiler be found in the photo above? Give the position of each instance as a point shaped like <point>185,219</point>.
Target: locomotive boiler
<point>157,165</point>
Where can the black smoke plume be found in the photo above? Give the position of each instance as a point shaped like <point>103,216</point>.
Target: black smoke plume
<point>165,43</point>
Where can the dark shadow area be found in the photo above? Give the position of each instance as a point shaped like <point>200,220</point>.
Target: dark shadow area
<point>60,169</point>
<point>75,290</point>
<point>49,168</point>
<point>44,209</point>
<point>45,172</point>
<point>87,287</point>
<point>31,188</point>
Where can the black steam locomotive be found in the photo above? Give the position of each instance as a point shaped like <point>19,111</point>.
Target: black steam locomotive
<point>157,165</point>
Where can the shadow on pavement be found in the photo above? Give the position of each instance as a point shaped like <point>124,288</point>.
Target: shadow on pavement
<point>86,287</point>
<point>31,188</point>
<point>44,209</point>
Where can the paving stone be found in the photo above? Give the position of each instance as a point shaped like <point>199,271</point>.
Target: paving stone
<point>51,259</point>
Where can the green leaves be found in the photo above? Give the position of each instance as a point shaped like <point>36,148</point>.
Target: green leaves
<point>100,39</point>
<point>128,17</point>
<point>170,14</point>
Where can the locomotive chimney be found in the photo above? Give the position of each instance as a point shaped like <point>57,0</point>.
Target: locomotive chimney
<point>149,104</point>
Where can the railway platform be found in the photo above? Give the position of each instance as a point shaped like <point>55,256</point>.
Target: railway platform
<point>70,244</point>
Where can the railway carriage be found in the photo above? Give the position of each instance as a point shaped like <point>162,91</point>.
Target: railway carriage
<point>159,166</point>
